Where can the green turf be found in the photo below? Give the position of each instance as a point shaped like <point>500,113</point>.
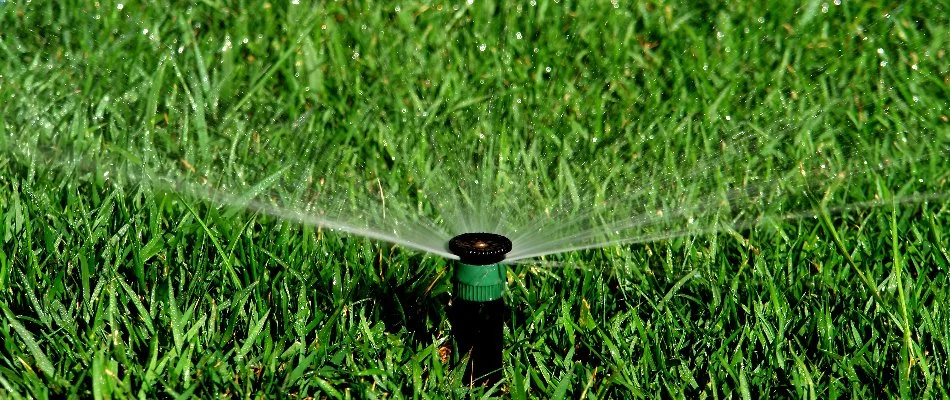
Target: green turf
<point>115,284</point>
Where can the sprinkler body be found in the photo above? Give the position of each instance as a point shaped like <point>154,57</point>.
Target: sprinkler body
<point>478,311</point>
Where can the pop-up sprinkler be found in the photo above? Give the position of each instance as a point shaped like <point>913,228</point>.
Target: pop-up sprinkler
<point>478,309</point>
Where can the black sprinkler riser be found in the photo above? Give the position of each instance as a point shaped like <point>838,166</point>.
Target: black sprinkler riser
<point>478,313</point>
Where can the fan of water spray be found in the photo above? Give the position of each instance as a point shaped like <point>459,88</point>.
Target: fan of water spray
<point>543,198</point>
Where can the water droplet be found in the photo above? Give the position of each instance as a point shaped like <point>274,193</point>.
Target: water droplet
<point>482,47</point>
<point>728,118</point>
<point>548,70</point>
<point>880,51</point>
<point>518,35</point>
<point>915,98</point>
<point>883,63</point>
<point>398,9</point>
<point>118,6</point>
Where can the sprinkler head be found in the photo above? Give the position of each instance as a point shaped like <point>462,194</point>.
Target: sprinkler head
<point>479,321</point>
<point>480,248</point>
<point>478,276</point>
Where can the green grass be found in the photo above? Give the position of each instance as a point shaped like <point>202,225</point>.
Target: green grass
<point>121,276</point>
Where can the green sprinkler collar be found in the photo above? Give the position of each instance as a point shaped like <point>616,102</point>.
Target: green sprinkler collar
<point>479,282</point>
<point>479,276</point>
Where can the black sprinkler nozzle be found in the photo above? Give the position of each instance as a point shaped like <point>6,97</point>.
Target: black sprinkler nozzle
<point>480,248</point>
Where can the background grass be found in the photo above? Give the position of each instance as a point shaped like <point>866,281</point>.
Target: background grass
<point>112,285</point>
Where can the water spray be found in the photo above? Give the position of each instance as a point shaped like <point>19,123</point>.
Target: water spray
<point>478,310</point>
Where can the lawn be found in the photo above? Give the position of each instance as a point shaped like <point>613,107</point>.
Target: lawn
<point>251,199</point>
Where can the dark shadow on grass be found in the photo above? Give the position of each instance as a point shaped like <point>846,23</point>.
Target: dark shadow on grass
<point>412,306</point>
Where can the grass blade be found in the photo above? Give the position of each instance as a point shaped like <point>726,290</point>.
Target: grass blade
<point>38,355</point>
<point>252,336</point>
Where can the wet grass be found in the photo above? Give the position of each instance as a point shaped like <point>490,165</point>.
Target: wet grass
<point>112,285</point>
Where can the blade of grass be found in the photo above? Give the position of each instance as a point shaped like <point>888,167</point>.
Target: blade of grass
<point>39,356</point>
<point>871,287</point>
<point>252,336</point>
<point>235,280</point>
